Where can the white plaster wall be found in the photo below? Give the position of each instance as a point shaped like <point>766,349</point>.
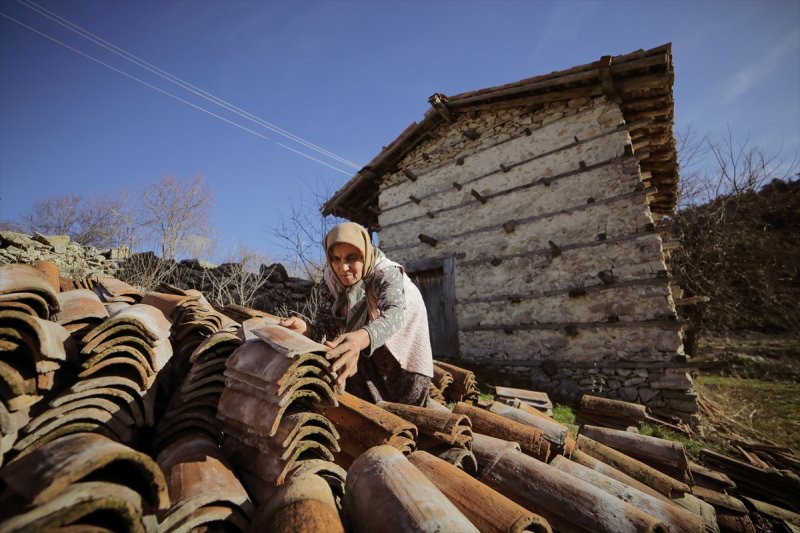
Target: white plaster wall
<point>564,214</point>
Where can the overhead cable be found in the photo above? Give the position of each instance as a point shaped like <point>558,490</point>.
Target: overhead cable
<point>168,93</point>
<point>181,83</point>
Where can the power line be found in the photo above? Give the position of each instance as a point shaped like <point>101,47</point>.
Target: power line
<point>182,83</point>
<point>178,98</point>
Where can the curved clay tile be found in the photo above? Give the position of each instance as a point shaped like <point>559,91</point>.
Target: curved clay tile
<point>213,518</point>
<point>264,417</point>
<point>676,517</point>
<point>555,432</point>
<point>268,466</point>
<point>18,279</point>
<point>488,450</point>
<point>198,477</point>
<point>166,302</point>
<point>121,366</point>
<point>136,353</point>
<point>51,273</point>
<point>489,510</point>
<point>192,421</point>
<point>385,492</point>
<point>435,426</point>
<point>220,344</point>
<point>363,425</point>
<point>146,318</point>
<point>44,339</point>
<point>304,504</point>
<point>287,342</point>
<point>101,504</point>
<point>530,439</point>
<point>463,387</point>
<point>126,390</point>
<point>117,290</point>
<point>442,378</point>
<point>71,422</point>
<point>545,490</point>
<point>114,408</point>
<point>78,305</point>
<point>333,474</point>
<point>664,455</point>
<point>461,458</point>
<point>28,303</point>
<point>666,485</point>
<point>41,475</point>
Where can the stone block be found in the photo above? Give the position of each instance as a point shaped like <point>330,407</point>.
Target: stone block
<point>688,405</point>
<point>631,382</point>
<point>646,394</point>
<point>628,394</point>
<point>681,381</point>
<point>57,243</point>
<point>19,240</point>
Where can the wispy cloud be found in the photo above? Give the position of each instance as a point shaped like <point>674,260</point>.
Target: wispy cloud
<point>743,80</point>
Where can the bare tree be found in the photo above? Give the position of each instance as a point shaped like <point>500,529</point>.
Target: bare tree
<point>240,280</point>
<point>301,232</point>
<point>91,221</point>
<point>12,225</point>
<point>173,209</point>
<point>716,168</point>
<point>57,215</point>
<point>735,225</point>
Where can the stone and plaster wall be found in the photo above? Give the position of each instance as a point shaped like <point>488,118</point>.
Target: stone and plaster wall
<point>277,292</point>
<point>560,280</point>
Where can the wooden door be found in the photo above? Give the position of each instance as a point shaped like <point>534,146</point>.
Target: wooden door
<point>436,286</point>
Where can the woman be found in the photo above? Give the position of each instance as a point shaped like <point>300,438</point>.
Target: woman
<point>374,320</point>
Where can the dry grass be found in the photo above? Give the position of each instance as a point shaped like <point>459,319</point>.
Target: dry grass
<point>758,410</point>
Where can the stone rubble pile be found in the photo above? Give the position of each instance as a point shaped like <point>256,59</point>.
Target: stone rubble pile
<point>271,289</point>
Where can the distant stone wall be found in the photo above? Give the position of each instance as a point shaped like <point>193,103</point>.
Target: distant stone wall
<point>559,275</point>
<point>277,291</point>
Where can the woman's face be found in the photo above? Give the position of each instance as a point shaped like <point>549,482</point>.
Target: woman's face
<point>348,263</point>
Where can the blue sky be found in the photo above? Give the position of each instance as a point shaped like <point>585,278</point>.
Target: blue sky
<point>346,76</point>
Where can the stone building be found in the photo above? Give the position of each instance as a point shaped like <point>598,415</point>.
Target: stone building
<point>527,214</point>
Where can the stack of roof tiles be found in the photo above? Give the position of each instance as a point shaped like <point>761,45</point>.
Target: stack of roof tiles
<point>442,433</point>
<point>522,398</point>
<point>153,412</point>
<point>84,480</point>
<point>113,392</point>
<point>457,384</point>
<point>33,347</point>
<point>276,384</point>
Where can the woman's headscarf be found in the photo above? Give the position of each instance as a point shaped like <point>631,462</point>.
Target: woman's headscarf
<point>350,303</point>
<point>355,235</point>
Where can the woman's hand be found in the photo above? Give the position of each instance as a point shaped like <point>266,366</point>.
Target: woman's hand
<point>296,324</point>
<point>346,349</point>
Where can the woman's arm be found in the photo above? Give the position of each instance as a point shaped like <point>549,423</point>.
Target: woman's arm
<point>391,305</point>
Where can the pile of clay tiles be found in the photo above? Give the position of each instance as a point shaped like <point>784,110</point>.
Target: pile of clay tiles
<point>453,384</point>
<point>124,411</point>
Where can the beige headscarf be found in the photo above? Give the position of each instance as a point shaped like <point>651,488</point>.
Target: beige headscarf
<point>350,306</point>
<point>355,235</point>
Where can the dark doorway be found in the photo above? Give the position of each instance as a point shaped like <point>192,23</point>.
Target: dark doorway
<point>436,282</point>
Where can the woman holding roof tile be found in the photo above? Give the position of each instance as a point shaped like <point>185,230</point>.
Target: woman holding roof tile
<point>373,319</point>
